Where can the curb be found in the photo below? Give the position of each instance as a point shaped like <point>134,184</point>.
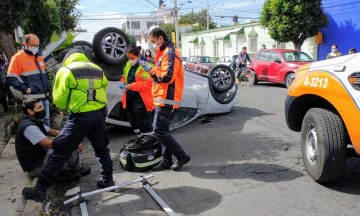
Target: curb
<point>13,180</point>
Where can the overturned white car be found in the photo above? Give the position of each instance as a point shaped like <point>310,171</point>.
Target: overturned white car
<point>204,94</point>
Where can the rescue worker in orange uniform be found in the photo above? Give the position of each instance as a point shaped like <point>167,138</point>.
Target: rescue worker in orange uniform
<point>27,74</point>
<point>137,99</point>
<point>167,90</point>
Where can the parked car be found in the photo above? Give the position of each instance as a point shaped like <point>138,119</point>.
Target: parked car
<point>323,103</point>
<point>228,60</point>
<point>277,65</point>
<point>184,60</point>
<point>203,94</point>
<point>222,76</point>
<point>200,64</point>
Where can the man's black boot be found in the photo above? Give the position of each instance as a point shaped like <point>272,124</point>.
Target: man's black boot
<point>105,183</point>
<point>180,163</point>
<point>33,194</point>
<point>163,165</point>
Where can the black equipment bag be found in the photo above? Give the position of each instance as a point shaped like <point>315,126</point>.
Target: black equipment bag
<point>140,154</point>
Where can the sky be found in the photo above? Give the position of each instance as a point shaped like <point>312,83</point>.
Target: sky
<point>99,14</point>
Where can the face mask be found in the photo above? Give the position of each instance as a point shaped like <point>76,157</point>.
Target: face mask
<point>333,50</point>
<point>133,62</point>
<point>33,50</point>
<point>40,114</point>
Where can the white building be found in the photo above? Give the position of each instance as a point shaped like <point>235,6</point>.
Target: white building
<point>230,40</point>
<point>140,25</point>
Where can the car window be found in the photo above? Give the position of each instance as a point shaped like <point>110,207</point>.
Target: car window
<point>227,58</point>
<point>275,56</point>
<point>297,57</point>
<point>263,56</point>
<point>221,59</point>
<point>206,59</point>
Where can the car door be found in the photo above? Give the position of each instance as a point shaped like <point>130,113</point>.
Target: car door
<point>274,66</point>
<point>190,64</point>
<point>261,62</point>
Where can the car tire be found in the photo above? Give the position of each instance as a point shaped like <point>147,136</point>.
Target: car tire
<point>288,79</point>
<point>110,45</point>
<point>222,78</point>
<point>80,44</point>
<point>252,78</point>
<point>323,145</point>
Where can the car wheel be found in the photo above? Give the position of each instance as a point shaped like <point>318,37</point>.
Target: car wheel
<point>323,145</point>
<point>110,45</point>
<point>252,78</point>
<point>222,78</point>
<point>288,79</point>
<point>80,44</point>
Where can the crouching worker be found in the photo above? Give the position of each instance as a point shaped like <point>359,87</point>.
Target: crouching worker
<point>137,99</point>
<point>33,146</point>
<point>80,89</point>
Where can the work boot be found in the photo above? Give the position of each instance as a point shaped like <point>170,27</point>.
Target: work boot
<point>163,165</point>
<point>180,163</point>
<point>33,194</point>
<point>68,177</point>
<point>105,183</point>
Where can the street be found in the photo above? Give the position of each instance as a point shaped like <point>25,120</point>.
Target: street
<point>246,162</point>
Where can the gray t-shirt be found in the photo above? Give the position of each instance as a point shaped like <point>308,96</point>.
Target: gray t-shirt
<point>34,134</point>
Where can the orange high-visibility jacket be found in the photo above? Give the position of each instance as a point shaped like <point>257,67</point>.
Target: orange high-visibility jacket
<point>142,84</point>
<point>28,71</point>
<point>168,75</point>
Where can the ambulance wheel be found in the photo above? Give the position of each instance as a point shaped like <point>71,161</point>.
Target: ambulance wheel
<point>110,45</point>
<point>323,145</point>
<point>222,78</point>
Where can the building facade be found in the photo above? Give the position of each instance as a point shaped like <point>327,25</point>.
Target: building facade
<point>343,28</point>
<point>230,40</point>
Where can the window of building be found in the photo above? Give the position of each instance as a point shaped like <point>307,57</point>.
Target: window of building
<point>135,24</point>
<point>216,49</point>
<point>280,45</point>
<point>253,44</point>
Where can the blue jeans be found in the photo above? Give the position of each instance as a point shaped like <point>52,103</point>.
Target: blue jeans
<point>161,129</point>
<point>45,103</point>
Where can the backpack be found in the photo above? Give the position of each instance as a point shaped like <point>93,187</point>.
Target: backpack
<point>140,154</point>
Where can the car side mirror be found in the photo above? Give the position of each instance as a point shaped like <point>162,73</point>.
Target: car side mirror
<point>277,60</point>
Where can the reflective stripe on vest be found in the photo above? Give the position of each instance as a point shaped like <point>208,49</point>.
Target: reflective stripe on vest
<point>35,96</point>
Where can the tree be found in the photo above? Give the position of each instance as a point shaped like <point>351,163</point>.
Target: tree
<point>198,20</point>
<point>11,14</point>
<point>168,28</point>
<point>69,14</point>
<point>293,20</point>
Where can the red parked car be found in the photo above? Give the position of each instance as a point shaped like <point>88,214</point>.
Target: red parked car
<point>277,65</point>
<point>201,64</point>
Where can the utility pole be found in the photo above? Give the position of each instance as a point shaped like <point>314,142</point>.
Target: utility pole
<point>207,17</point>
<point>176,25</point>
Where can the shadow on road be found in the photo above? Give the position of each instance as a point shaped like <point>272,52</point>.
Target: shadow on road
<point>270,85</point>
<point>350,183</point>
<point>255,171</point>
<point>136,201</point>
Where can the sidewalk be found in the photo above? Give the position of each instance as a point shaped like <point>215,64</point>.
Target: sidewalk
<point>12,181</point>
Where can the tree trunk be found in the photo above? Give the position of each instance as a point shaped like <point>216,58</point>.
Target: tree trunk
<point>298,44</point>
<point>7,44</point>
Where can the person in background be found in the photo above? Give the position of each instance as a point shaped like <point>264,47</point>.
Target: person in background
<point>242,60</point>
<point>80,89</point>
<point>352,51</point>
<point>137,99</point>
<point>3,90</point>
<point>148,55</point>
<point>27,74</point>
<point>167,90</point>
<point>273,46</point>
<point>263,46</point>
<point>334,52</point>
<point>33,147</point>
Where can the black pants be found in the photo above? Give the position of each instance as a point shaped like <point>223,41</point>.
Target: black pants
<point>241,72</point>
<point>90,124</point>
<point>138,116</point>
<point>3,100</point>
<point>161,129</point>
